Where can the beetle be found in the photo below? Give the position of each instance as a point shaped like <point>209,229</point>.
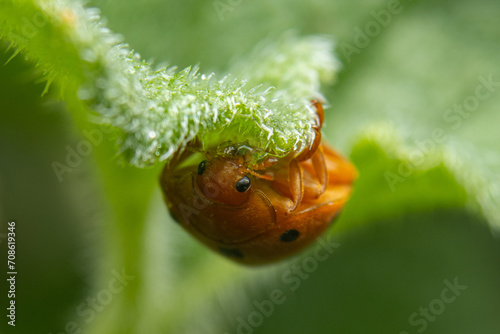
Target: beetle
<point>257,213</point>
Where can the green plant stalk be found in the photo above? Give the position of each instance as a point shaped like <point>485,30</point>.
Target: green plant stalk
<point>160,111</point>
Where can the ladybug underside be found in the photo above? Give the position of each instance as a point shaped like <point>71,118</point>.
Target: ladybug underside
<point>255,219</point>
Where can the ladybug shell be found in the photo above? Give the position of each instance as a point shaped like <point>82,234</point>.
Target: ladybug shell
<point>262,229</point>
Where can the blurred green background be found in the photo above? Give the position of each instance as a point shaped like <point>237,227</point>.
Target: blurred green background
<point>396,248</point>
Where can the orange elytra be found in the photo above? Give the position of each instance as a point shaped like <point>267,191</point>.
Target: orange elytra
<point>256,213</point>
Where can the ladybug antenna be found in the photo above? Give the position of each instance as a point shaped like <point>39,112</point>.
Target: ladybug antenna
<point>260,176</point>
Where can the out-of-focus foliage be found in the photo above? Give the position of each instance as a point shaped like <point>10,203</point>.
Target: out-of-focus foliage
<point>419,218</point>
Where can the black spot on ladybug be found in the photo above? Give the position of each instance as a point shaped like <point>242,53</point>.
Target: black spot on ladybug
<point>201,167</point>
<point>231,252</point>
<point>290,235</point>
<point>243,184</point>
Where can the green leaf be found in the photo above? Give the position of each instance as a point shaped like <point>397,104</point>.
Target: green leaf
<point>160,111</point>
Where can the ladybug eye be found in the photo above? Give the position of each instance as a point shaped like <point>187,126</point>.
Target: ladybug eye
<point>201,167</point>
<point>243,184</point>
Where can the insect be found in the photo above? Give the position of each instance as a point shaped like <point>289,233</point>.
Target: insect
<point>256,213</point>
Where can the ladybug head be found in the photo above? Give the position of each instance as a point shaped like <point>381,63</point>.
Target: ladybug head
<point>224,181</point>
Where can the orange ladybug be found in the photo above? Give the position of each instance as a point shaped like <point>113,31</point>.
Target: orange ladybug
<point>255,213</point>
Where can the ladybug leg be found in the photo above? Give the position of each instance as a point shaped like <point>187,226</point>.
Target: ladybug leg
<point>296,184</point>
<point>319,111</point>
<point>318,162</point>
<point>315,153</point>
<point>308,153</point>
<point>296,176</point>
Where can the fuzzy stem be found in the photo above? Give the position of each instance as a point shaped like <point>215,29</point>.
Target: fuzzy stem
<point>159,111</point>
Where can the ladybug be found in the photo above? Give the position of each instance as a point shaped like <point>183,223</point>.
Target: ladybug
<point>256,213</point>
